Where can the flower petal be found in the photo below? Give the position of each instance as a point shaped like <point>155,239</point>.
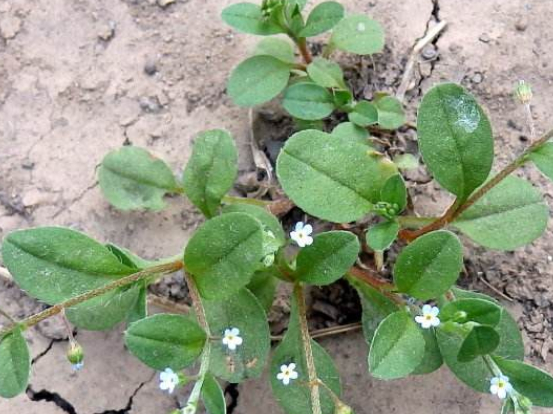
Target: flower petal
<point>426,309</point>
<point>235,331</point>
<point>299,226</point>
<point>286,380</point>
<point>435,322</point>
<point>294,375</point>
<point>280,376</point>
<point>307,229</point>
<point>238,340</point>
<point>434,311</point>
<point>308,241</point>
<point>283,367</point>
<point>291,366</point>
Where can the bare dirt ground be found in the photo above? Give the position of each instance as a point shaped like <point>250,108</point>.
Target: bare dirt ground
<point>81,77</point>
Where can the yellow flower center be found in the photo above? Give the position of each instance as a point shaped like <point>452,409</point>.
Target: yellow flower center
<point>428,317</point>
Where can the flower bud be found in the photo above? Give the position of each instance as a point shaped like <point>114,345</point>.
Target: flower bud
<point>75,355</point>
<point>523,92</point>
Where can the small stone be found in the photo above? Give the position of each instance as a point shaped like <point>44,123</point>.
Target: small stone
<point>164,3</point>
<point>10,27</point>
<point>150,67</point>
<point>32,198</point>
<point>107,31</point>
<point>149,104</point>
<point>484,38</point>
<point>521,24</point>
<point>477,78</point>
<point>28,165</point>
<point>429,52</point>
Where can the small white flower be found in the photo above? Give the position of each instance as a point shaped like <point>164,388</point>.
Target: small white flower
<point>168,380</point>
<point>429,317</point>
<point>78,366</point>
<point>500,386</point>
<point>302,234</point>
<point>287,373</point>
<point>232,338</point>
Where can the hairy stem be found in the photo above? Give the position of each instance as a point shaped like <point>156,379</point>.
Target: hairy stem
<point>304,50</point>
<point>125,281</point>
<point>243,200</point>
<point>306,340</point>
<point>414,221</point>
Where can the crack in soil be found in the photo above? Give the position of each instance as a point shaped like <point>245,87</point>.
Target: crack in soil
<point>130,402</point>
<point>232,391</point>
<point>45,395</point>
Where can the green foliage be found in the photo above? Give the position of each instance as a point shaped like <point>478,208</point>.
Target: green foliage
<point>390,112</point>
<point>481,340</point>
<point>165,341</point>
<point>213,396</point>
<point>242,311</point>
<point>328,258</point>
<point>322,18</point>
<point>258,79</point>
<point>432,358</point>
<point>131,178</point>
<point>268,221</point>
<point>472,309</point>
<point>105,311</point>
<point>336,180</point>
<point>295,397</point>
<point>364,114</point>
<point>224,253</point>
<point>350,132</point>
<point>308,101</point>
<point>247,18</point>
<point>398,347</point>
<point>277,48</point>
<point>358,34</point>
<point>529,381</point>
<point>211,170</point>
<point>394,193</point>
<point>15,361</point>
<point>543,158</point>
<point>263,285</point>
<point>406,161</point>
<point>455,139</point>
<point>326,73</point>
<point>510,215</point>
<point>381,236</point>
<point>429,266</point>
<point>53,264</point>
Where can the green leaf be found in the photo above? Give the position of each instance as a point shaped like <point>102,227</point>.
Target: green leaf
<point>406,161</point>
<point>531,382</point>
<point>432,359</point>
<point>243,311</point>
<point>53,264</point>
<point>481,340</point>
<point>364,114</point>
<point>269,221</point>
<point>258,79</point>
<point>263,286</point>
<point>328,258</point>
<point>397,348</point>
<point>308,101</point>
<point>131,178</point>
<point>376,307</point>
<point>390,112</point>
<point>15,361</point>
<point>510,215</point>
<point>455,139</point>
<point>140,309</point>
<point>322,18</point>
<point>211,170</point>
<point>295,398</point>
<point>331,179</point>
<point>326,73</point>
<point>166,341</point>
<point>224,253</point>
<point>104,312</point>
<point>247,18</point>
<point>343,98</point>
<point>277,48</point>
<point>477,310</point>
<point>125,257</point>
<point>358,34</point>
<point>543,158</point>
<point>351,132</point>
<point>394,192</point>
<point>213,396</point>
<point>428,267</point>
<point>381,236</point>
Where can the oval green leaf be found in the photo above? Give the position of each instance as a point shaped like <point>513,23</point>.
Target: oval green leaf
<point>432,358</point>
<point>53,264</point>
<point>224,253</point>
<point>481,340</point>
<point>381,236</point>
<point>277,48</point>
<point>323,17</point>
<point>477,310</point>
<point>394,192</point>
<point>509,216</point>
<point>390,112</point>
<point>397,348</point>
<point>543,159</point>
<point>258,79</point>
<point>213,396</point>
<point>329,178</point>
<point>247,18</point>
<point>328,258</point>
<point>15,363</point>
<point>428,267</point>
<point>455,139</point>
<point>364,114</point>
<point>165,341</point>
<point>269,221</point>
<point>358,34</point>
<point>326,73</point>
<point>211,170</point>
<point>351,132</point>
<point>308,101</point>
<point>242,311</point>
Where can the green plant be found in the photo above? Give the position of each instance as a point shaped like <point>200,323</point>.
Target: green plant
<point>234,261</point>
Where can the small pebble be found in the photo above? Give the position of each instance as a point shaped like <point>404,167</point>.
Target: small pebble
<point>107,31</point>
<point>150,67</point>
<point>484,38</point>
<point>521,24</point>
<point>10,27</point>
<point>149,104</point>
<point>164,3</point>
<point>429,52</point>
<point>477,78</point>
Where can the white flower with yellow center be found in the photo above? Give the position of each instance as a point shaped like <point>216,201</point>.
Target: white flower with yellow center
<point>168,380</point>
<point>500,386</point>
<point>302,234</point>
<point>232,338</point>
<point>287,373</point>
<point>429,317</point>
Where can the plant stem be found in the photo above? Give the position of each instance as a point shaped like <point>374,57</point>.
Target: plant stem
<point>306,340</point>
<point>333,330</point>
<point>452,213</point>
<point>414,221</point>
<point>304,50</point>
<point>370,278</point>
<point>127,280</point>
<point>243,200</point>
